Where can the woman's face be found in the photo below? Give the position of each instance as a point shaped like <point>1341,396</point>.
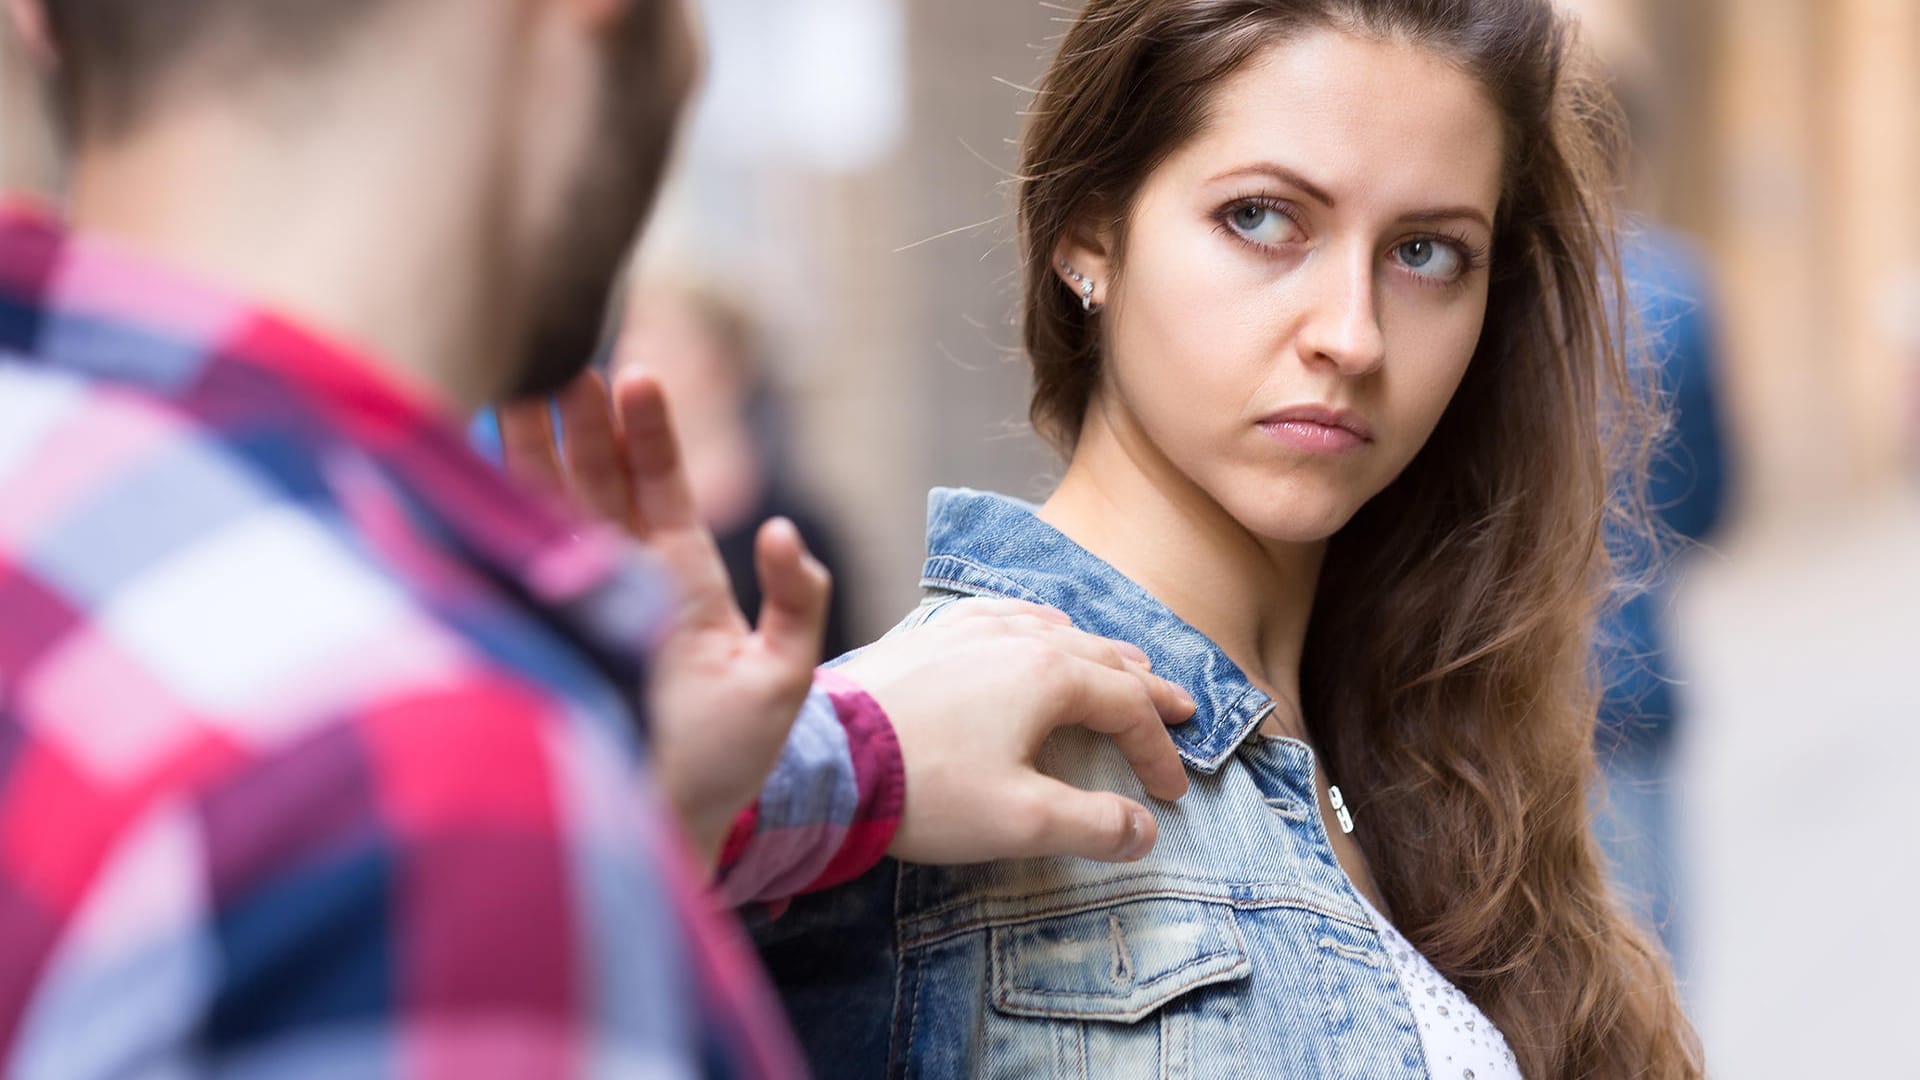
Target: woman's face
<point>1303,283</point>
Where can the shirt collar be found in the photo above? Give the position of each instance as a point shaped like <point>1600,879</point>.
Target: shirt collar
<point>990,545</point>
<point>93,298</point>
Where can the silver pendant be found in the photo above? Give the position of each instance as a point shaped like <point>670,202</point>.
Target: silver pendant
<point>1340,808</point>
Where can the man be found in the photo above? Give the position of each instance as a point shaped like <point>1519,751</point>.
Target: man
<point>324,750</point>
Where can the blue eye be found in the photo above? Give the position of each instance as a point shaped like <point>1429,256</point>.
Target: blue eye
<point>1431,259</point>
<point>1262,224</point>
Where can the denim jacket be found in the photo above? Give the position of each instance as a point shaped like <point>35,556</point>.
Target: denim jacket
<point>1237,949</point>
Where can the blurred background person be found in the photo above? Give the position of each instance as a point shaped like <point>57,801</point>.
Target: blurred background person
<point>1675,344</point>
<point>1644,692</point>
<point>734,431</point>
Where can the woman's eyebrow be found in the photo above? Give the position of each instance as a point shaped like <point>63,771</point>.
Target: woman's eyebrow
<point>1320,195</point>
<point>1284,175</point>
<point>1451,213</point>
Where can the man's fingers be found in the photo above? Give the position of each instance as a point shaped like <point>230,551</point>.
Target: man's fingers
<point>1173,703</point>
<point>662,494</point>
<point>1170,699</point>
<point>591,442</point>
<point>795,590</point>
<point>1016,611</point>
<point>527,447</point>
<point>1117,704</point>
<point>1090,824</point>
<point>994,608</point>
<point>1119,655</point>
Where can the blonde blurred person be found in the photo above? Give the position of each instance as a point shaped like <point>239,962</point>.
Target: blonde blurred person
<point>716,368</point>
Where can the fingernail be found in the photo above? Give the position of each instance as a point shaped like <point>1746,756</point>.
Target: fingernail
<point>1136,654</point>
<point>1139,839</point>
<point>1186,700</point>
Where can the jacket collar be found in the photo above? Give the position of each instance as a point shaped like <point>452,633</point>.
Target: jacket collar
<point>989,545</point>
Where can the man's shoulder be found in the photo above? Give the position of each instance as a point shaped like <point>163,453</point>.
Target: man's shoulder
<point>157,564</point>
<point>252,628</point>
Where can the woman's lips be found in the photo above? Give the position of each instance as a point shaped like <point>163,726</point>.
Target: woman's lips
<point>1316,429</point>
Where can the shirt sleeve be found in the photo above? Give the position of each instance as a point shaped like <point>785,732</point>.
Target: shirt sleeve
<point>830,807</point>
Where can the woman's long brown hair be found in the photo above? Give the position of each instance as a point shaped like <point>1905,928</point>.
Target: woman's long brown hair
<point>1446,678</point>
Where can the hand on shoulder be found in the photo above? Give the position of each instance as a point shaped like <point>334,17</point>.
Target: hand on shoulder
<point>972,696</point>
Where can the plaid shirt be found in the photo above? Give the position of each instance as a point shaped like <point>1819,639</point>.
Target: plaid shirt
<point>318,750</point>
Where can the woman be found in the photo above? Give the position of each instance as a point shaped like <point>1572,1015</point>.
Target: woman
<point>1314,301</point>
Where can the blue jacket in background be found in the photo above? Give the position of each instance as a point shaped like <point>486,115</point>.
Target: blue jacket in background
<point>1669,288</point>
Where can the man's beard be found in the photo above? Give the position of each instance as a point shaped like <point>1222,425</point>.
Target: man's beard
<point>602,220</point>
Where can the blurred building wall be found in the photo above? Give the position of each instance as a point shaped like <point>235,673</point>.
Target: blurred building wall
<point>1800,166</point>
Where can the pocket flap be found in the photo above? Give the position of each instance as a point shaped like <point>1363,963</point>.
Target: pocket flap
<point>1117,963</point>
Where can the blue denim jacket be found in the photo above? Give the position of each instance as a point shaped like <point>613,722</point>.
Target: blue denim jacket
<point>1238,948</point>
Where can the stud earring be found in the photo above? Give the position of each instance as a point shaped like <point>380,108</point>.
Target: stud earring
<point>1085,283</point>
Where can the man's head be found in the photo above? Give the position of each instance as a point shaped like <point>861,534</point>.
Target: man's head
<point>574,102</point>
<point>120,61</point>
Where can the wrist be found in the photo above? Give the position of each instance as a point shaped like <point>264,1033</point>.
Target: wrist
<point>879,761</point>
<point>704,819</point>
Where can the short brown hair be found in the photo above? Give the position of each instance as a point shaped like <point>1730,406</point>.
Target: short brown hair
<point>117,57</point>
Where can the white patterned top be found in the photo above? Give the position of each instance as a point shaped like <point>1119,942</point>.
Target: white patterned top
<point>1459,1041</point>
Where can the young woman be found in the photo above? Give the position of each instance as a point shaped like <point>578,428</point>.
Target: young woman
<point>1316,304</point>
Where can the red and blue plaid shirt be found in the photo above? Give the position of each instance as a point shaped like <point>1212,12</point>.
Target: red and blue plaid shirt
<point>320,743</point>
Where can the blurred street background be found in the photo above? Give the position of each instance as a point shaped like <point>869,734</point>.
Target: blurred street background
<point>843,182</point>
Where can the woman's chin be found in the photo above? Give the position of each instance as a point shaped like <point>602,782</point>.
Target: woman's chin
<point>1299,521</point>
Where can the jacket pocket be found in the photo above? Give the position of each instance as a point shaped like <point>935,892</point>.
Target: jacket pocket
<point>1120,963</point>
<point>1138,990</point>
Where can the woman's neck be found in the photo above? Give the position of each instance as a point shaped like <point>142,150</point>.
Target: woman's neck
<point>1122,500</point>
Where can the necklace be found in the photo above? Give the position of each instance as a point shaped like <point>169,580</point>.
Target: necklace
<point>1337,800</point>
<point>1340,808</point>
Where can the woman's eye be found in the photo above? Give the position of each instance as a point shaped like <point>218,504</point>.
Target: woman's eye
<point>1431,259</point>
<point>1262,224</point>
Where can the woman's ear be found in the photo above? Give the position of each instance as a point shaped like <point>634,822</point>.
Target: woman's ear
<point>1083,263</point>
